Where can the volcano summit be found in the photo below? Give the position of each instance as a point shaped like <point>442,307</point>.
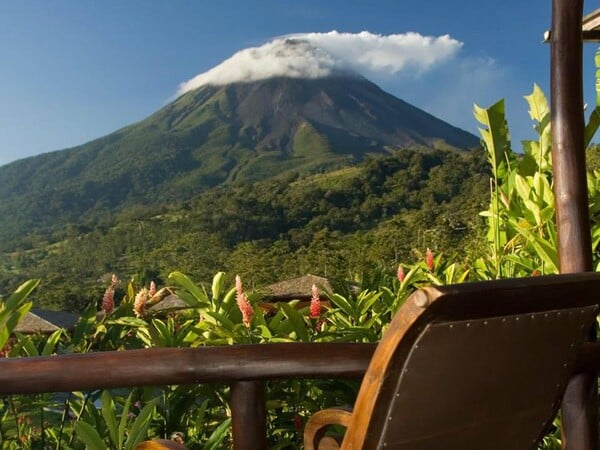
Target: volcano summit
<point>228,129</point>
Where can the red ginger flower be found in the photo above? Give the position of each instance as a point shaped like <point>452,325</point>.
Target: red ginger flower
<point>401,275</point>
<point>315,303</point>
<point>429,258</point>
<point>298,421</point>
<point>243,303</point>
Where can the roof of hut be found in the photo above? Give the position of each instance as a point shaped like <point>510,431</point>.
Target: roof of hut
<point>46,321</point>
<point>168,304</point>
<point>300,288</point>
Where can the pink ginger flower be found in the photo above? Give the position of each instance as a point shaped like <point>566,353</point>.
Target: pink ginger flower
<point>139,304</point>
<point>315,303</point>
<point>108,301</point>
<point>401,275</point>
<point>243,303</point>
<point>429,259</point>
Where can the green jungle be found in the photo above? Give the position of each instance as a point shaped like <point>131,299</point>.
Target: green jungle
<point>338,224</point>
<point>389,224</point>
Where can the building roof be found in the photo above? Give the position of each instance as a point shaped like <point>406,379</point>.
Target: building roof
<point>297,288</point>
<point>46,321</point>
<point>590,27</point>
<point>591,22</point>
<point>168,304</point>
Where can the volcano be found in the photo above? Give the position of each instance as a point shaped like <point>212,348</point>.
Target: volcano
<point>217,135</point>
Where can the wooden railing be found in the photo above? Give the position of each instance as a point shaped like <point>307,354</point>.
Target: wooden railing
<point>244,367</point>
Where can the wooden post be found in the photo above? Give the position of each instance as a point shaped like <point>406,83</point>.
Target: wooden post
<point>579,417</point>
<point>248,415</point>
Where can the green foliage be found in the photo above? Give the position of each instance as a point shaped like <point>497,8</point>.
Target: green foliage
<point>121,433</point>
<point>118,419</point>
<point>13,309</point>
<point>521,227</point>
<point>522,233</point>
<point>338,223</point>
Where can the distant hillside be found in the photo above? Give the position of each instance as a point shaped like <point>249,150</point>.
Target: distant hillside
<point>341,223</point>
<point>216,136</point>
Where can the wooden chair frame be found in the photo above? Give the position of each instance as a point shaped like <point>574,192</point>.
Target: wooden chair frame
<point>499,304</point>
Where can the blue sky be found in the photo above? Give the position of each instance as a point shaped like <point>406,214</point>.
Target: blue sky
<point>72,71</point>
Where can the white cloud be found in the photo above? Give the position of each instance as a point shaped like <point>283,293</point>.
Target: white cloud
<point>316,55</point>
<point>389,54</point>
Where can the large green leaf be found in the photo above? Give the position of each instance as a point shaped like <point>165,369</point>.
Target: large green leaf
<point>217,437</point>
<point>110,419</point>
<point>540,112</point>
<point>185,283</point>
<point>89,436</point>
<point>140,425</point>
<point>217,285</point>
<point>51,342</point>
<point>124,421</point>
<point>9,320</point>
<point>296,321</point>
<point>495,136</point>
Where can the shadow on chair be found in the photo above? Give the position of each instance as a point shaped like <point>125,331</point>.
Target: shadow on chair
<point>472,366</point>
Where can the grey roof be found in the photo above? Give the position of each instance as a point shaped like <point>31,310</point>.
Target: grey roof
<point>45,321</point>
<point>298,288</point>
<point>168,304</point>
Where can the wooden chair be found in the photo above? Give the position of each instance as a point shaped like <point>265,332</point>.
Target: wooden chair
<point>159,444</point>
<point>470,367</point>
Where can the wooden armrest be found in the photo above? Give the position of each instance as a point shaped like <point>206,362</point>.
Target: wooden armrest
<point>159,444</point>
<point>314,432</point>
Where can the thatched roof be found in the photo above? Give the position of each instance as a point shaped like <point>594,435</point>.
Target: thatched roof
<point>46,322</point>
<point>298,288</point>
<point>170,303</point>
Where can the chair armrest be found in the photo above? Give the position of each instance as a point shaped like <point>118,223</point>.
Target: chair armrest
<point>159,444</point>
<point>314,432</point>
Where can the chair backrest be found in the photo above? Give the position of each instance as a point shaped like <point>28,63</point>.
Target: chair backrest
<point>474,366</point>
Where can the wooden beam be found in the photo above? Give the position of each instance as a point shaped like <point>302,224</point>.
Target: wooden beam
<point>248,415</point>
<point>159,366</point>
<point>568,153</point>
<point>579,417</point>
<point>243,366</point>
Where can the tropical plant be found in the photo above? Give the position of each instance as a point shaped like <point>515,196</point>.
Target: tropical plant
<point>521,228</point>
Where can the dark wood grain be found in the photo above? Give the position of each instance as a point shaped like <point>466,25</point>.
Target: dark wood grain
<point>242,366</point>
<point>568,152</point>
<point>248,415</point>
<point>428,383</point>
<point>152,367</point>
<point>580,416</point>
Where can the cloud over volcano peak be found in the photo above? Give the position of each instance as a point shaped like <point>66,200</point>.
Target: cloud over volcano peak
<point>318,55</point>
